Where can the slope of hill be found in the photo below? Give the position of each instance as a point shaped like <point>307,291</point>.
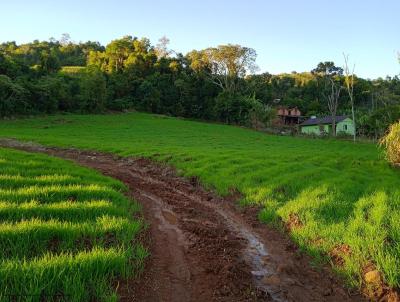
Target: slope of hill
<point>340,201</point>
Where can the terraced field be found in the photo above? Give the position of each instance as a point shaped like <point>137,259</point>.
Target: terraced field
<point>66,232</point>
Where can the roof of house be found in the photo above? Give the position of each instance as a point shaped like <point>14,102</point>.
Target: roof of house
<point>323,120</point>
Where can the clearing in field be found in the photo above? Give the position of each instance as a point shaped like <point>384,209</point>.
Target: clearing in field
<point>340,201</point>
<point>66,232</point>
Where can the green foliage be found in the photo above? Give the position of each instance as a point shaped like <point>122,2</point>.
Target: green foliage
<point>93,90</point>
<point>210,84</point>
<point>65,52</point>
<point>259,114</point>
<point>150,97</point>
<point>375,123</point>
<point>120,104</point>
<point>12,97</point>
<point>11,67</point>
<point>224,65</point>
<point>72,69</point>
<point>48,91</point>
<point>65,231</point>
<point>49,62</point>
<point>242,110</point>
<point>331,186</point>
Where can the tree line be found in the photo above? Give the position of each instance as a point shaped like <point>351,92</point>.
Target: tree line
<point>217,83</point>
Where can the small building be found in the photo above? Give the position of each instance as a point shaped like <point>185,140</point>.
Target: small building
<point>323,125</point>
<point>288,116</point>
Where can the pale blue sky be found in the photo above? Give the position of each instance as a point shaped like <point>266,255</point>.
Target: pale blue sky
<point>287,35</point>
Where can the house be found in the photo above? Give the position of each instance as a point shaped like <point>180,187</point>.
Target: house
<point>288,116</point>
<point>323,125</point>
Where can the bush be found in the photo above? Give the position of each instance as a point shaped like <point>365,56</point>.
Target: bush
<point>120,104</point>
<point>12,97</point>
<point>391,143</point>
<point>342,134</point>
<point>260,115</point>
<point>242,110</point>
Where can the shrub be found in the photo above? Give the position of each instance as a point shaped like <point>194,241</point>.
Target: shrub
<point>120,104</point>
<point>12,97</point>
<point>391,143</point>
<point>242,110</point>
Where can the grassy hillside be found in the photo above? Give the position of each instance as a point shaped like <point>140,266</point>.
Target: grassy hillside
<point>65,231</point>
<point>340,200</point>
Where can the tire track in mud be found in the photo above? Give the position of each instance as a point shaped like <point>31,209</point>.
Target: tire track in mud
<point>203,247</point>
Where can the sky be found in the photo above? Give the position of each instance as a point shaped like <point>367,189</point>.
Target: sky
<point>288,35</point>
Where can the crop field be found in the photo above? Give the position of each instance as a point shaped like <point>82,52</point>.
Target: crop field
<point>339,200</point>
<point>66,232</point>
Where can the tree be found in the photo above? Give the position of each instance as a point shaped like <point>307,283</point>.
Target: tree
<point>375,123</point>
<point>327,68</point>
<point>162,50</point>
<point>349,84</point>
<point>331,75</point>
<point>333,102</point>
<point>225,65</point>
<point>150,97</point>
<point>259,114</point>
<point>212,84</point>
<point>49,62</point>
<point>12,97</point>
<point>65,39</point>
<point>11,68</point>
<point>93,90</point>
<point>117,52</point>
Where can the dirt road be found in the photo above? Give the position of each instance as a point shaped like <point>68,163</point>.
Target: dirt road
<point>203,247</point>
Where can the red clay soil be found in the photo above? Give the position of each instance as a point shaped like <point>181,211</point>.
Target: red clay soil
<point>203,247</point>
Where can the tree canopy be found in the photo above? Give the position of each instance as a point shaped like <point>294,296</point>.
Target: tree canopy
<point>217,83</point>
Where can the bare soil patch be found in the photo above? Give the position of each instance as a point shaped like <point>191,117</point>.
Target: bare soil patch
<point>204,247</point>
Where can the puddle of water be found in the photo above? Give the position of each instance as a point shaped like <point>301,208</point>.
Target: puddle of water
<point>255,254</point>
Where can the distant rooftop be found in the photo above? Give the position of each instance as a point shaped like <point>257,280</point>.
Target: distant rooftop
<point>323,120</point>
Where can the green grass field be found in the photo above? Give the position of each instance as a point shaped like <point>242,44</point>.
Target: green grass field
<point>341,198</point>
<point>66,233</point>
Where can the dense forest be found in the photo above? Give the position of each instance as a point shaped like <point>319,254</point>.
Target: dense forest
<point>218,83</point>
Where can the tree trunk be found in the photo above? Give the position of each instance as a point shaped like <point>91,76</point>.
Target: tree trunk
<point>334,125</point>
<point>354,119</point>
<point>349,80</point>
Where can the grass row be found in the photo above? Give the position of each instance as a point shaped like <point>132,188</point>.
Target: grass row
<point>64,210</point>
<point>340,199</point>
<point>66,232</point>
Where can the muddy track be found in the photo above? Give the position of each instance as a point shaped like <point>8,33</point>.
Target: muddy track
<point>203,247</point>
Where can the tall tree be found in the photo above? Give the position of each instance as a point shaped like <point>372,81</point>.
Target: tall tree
<point>225,65</point>
<point>117,52</point>
<point>65,39</point>
<point>162,50</point>
<point>93,90</point>
<point>333,102</point>
<point>349,84</point>
<point>49,63</point>
<point>331,76</point>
